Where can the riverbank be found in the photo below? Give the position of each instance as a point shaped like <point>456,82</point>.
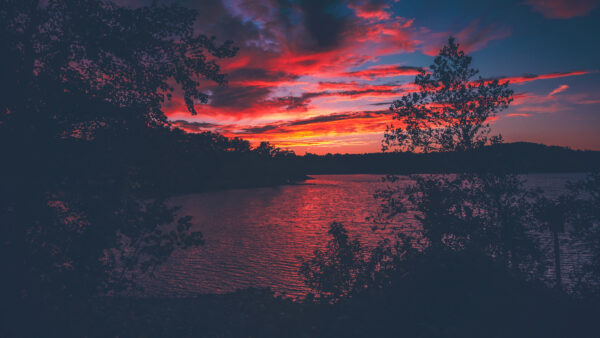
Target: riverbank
<point>432,302</point>
<point>518,157</point>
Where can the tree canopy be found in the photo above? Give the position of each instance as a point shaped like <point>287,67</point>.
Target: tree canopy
<point>449,109</point>
<point>73,62</point>
<point>83,84</point>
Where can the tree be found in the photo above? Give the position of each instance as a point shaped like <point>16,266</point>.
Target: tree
<point>268,151</point>
<point>83,84</point>
<point>344,269</point>
<point>450,110</point>
<point>470,211</point>
<point>103,56</point>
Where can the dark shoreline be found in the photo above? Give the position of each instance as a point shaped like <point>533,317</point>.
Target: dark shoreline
<point>514,308</point>
<point>517,158</point>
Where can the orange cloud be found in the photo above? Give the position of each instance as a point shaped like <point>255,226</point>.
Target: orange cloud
<point>299,131</point>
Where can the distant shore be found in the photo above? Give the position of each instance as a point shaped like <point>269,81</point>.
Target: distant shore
<point>520,157</point>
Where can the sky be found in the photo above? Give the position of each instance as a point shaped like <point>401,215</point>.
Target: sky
<point>319,76</point>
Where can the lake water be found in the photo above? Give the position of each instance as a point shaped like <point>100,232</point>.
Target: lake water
<point>259,237</point>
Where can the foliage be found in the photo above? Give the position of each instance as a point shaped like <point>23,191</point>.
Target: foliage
<point>485,213</point>
<point>83,83</point>
<point>343,270</point>
<point>474,211</point>
<point>483,216</point>
<point>582,215</point>
<point>266,150</point>
<point>101,53</point>
<point>449,110</point>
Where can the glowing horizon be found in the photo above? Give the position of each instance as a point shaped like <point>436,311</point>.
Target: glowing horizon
<point>320,76</point>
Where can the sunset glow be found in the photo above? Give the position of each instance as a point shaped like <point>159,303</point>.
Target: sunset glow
<point>320,76</point>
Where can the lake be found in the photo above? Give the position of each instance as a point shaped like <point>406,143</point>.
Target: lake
<point>259,237</point>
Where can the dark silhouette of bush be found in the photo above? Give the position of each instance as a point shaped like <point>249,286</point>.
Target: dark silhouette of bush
<point>344,269</point>
<point>581,214</point>
<point>476,211</point>
<point>433,293</point>
<point>83,83</point>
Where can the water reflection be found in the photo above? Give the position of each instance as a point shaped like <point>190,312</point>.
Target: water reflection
<point>258,237</point>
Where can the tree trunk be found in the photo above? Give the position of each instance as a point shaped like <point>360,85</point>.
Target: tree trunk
<point>557,259</point>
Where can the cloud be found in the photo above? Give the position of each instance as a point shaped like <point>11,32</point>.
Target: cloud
<point>284,42</point>
<point>552,103</point>
<point>323,22</point>
<point>371,10</point>
<point>563,9</point>
<point>295,131</point>
<point>261,76</point>
<point>473,37</point>
<point>533,77</point>
<point>591,101</point>
<point>548,108</point>
<point>196,125</point>
<point>287,46</point>
<point>238,97</point>
<point>384,71</point>
<point>559,89</point>
<point>339,117</point>
<point>301,79</point>
<point>350,91</point>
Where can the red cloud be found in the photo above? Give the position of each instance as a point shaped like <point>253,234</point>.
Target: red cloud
<point>295,59</point>
<point>563,9</point>
<point>324,130</point>
<point>388,37</point>
<point>371,11</point>
<point>559,89</point>
<point>384,71</point>
<point>533,77</point>
<point>355,86</point>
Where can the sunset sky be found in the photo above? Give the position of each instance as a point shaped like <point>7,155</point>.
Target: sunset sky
<point>319,76</point>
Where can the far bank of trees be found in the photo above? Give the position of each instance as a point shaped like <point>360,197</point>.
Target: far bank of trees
<point>519,157</point>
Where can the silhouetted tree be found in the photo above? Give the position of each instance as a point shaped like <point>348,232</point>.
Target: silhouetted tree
<point>344,269</point>
<point>83,83</point>
<point>468,214</point>
<point>474,211</point>
<point>450,109</point>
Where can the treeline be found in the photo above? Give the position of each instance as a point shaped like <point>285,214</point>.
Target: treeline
<point>518,157</point>
<point>162,160</point>
<point>172,161</point>
<point>209,161</point>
